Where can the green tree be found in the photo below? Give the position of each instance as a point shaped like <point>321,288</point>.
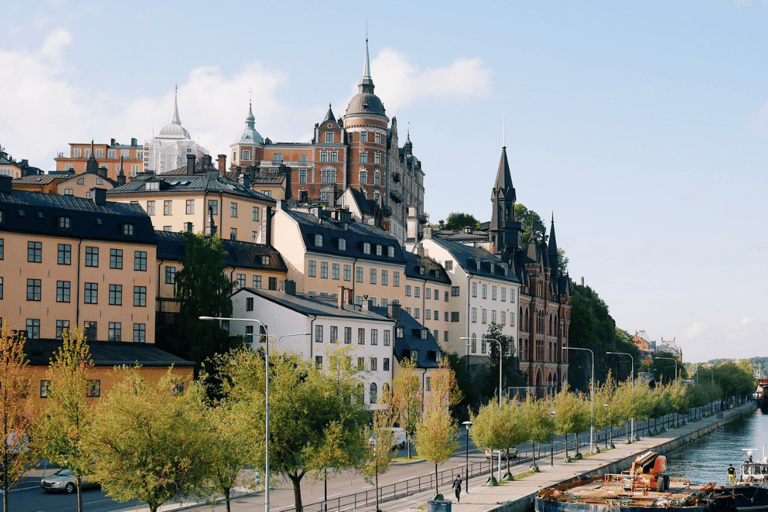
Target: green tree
<point>405,401</point>
<point>151,440</point>
<point>540,423</point>
<point>68,411</point>
<point>735,380</point>
<point>456,221</point>
<point>202,289</point>
<point>606,414</point>
<point>317,416</point>
<point>511,375</point>
<point>571,416</point>
<point>532,223</point>
<point>679,398</point>
<point>437,430</point>
<point>379,451</point>
<point>16,420</point>
<point>665,366</point>
<point>623,404</point>
<point>496,427</point>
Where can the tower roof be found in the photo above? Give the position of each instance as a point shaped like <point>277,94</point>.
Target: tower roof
<point>365,101</point>
<point>249,135</point>
<point>552,241</point>
<point>174,130</point>
<point>503,186</point>
<point>329,115</point>
<point>92,166</point>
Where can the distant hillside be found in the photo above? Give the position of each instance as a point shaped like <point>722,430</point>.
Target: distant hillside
<point>758,364</point>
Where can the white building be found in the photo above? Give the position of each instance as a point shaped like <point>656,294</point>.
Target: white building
<point>168,150</point>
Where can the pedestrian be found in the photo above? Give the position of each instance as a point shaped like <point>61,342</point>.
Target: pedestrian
<point>731,474</point>
<point>457,488</point>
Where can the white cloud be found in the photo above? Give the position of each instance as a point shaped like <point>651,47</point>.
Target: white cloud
<point>402,83</point>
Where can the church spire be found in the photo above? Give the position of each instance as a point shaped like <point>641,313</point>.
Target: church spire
<point>506,233</point>
<point>552,251</point>
<point>175,119</point>
<point>367,63</point>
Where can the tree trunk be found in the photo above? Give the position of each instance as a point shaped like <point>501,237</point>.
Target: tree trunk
<point>228,498</point>
<point>533,452</point>
<point>296,481</point>
<point>566,446</point>
<point>377,486</point>
<point>436,489</point>
<point>79,495</point>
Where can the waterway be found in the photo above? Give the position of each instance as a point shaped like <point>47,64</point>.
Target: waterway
<point>707,459</point>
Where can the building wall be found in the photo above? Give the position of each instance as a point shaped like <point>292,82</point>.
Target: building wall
<point>430,305</point>
<point>80,186</point>
<point>107,155</point>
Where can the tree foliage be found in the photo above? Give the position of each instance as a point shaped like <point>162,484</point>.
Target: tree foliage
<point>67,416</point>
<point>150,441</point>
<point>541,426</point>
<point>405,401</point>
<point>571,415</point>
<point>202,289</point>
<point>456,221</point>
<point>735,379</point>
<point>532,223</point>
<point>16,420</point>
<point>511,375</point>
<point>499,426</point>
<point>379,454</point>
<point>665,366</point>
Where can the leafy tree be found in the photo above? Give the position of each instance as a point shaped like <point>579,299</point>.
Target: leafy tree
<point>320,412</point>
<point>663,367</point>
<point>571,415</point>
<point>405,401</point>
<point>379,452</point>
<point>66,418</point>
<point>496,427</point>
<point>623,404</point>
<point>202,289</point>
<point>660,399</point>
<point>679,398</point>
<point>456,221</point>
<point>540,423</point>
<point>532,223</point>
<point>641,402</point>
<point>149,439</point>
<point>606,414</point>
<point>511,375</point>
<point>16,419</point>
<point>437,430</point>
<point>735,380</point>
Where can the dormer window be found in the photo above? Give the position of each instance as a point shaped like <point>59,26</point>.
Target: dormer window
<point>378,250</point>
<point>415,356</point>
<point>366,248</point>
<point>265,260</point>
<point>318,240</point>
<point>342,244</point>
<point>81,181</point>
<point>424,333</point>
<point>391,251</point>
<point>492,267</point>
<point>65,222</point>
<point>399,332</point>
<point>152,185</point>
<point>129,229</point>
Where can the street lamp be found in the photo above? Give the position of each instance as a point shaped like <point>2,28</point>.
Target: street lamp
<point>591,399</point>
<point>266,397</point>
<point>670,359</point>
<point>467,424</point>
<point>498,343</point>
<point>631,376</point>
<point>552,444</point>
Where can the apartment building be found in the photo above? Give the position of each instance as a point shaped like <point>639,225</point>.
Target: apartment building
<point>427,296</point>
<point>112,156</point>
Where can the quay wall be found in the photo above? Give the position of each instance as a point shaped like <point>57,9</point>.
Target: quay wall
<point>665,445</point>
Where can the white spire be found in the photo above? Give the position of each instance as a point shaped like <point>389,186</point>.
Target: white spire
<point>367,64</point>
<point>176,119</point>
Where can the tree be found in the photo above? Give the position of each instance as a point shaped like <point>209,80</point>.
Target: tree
<point>379,452</point>
<point>67,415</point>
<point>405,401</point>
<point>679,398</point>
<point>150,441</point>
<point>511,376</point>
<point>496,427</point>
<point>735,380</point>
<point>317,417</point>
<point>532,223</point>
<point>456,221</point>
<point>540,424</point>
<point>665,367</point>
<point>437,430</point>
<point>571,416</point>
<point>606,414</point>
<point>202,289</point>
<point>16,420</point>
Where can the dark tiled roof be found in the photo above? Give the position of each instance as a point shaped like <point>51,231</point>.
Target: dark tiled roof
<point>467,257</point>
<point>429,349</point>
<point>170,246</point>
<point>211,182</point>
<point>355,234</point>
<point>433,272</point>
<point>106,353</point>
<point>34,212</point>
<point>310,306</point>
<point>38,179</point>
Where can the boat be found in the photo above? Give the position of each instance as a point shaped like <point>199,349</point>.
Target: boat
<point>762,394</point>
<point>643,488</point>
<point>750,492</point>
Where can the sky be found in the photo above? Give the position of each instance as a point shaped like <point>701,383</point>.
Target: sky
<point>641,126</point>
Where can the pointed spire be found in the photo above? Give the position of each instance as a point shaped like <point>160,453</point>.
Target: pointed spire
<point>552,239</point>
<point>329,115</point>
<point>503,186</point>
<point>367,63</point>
<point>92,166</point>
<point>175,119</point>
<point>250,120</point>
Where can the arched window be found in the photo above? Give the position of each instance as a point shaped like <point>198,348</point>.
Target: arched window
<point>374,393</point>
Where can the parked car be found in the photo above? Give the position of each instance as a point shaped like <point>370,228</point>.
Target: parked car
<point>64,481</point>
<point>398,438</point>
<point>512,453</point>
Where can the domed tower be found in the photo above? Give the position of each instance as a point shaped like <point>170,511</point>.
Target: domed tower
<point>365,125</point>
<point>248,146</point>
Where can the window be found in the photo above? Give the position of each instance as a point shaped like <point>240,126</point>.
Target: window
<point>140,296</point>
<point>485,291</point>
<point>170,275</point>
<point>115,258</point>
<point>255,214</point>
<point>414,355</point>
<point>483,345</point>
<point>257,282</point>
<point>33,289</point>
<point>334,156</point>
<point>190,210</point>
<point>272,285</point>
<point>63,289</point>
<point>416,313</point>
<point>128,229</point>
<point>336,271</point>
<point>334,334</point>
<point>417,291</point>
<point>35,252</point>
<point>139,333</point>
<point>233,233</point>
<point>328,175</point>
<point>363,174</point>
<point>318,240</point>
<point>395,278</point>
<point>91,293</point>
<point>361,336</point>
<point>323,156</point>
<point>427,293</point>
<point>493,292</point>
<point>503,294</point>
<point>373,276</point>
<point>115,295</point>
<point>384,277</point>
<point>474,289</point>
<point>428,383</point>
<point>44,387</point>
<point>318,334</point>
<point>347,335</point>
<point>374,364</point>
<point>366,248</point>
<point>374,336</point>
<point>246,154</point>
<point>407,290</point>
<point>454,316</point>
<point>233,210</point>
<point>167,207</point>
<point>455,291</point>
<point>359,274</point>
<point>2,243</point>
<point>377,174</point>
<point>150,207</point>
<point>427,314</point>
<point>474,315</point>
<point>361,364</point>
<point>312,270</point>
<point>378,250</point>
<point>140,260</point>
<point>61,326</point>
<point>33,328</point>
<point>319,361</point>
<point>115,331</point>
<point>503,317</point>
<point>324,270</point>
<point>94,386</point>
<point>493,316</point>
<point>213,206</point>
<point>342,244</point>
<point>347,272</point>
<point>91,256</point>
<point>65,222</point>
<point>474,344</point>
<point>445,335</point>
<point>302,176</point>
<point>484,315</point>
<point>511,295</point>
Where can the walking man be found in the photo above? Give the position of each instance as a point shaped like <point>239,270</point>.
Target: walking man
<point>457,488</point>
<point>731,474</point>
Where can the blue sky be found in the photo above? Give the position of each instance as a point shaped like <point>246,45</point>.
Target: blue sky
<point>641,126</point>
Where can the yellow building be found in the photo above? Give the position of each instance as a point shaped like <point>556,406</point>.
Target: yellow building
<point>67,261</point>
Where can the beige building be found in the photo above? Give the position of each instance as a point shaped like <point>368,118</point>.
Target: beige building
<point>67,261</point>
<point>114,157</point>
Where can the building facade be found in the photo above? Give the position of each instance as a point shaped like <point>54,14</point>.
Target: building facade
<point>113,157</point>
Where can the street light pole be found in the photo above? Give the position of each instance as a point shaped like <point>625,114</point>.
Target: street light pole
<point>467,424</point>
<point>670,359</point>
<point>631,376</point>
<point>266,397</point>
<point>498,344</point>
<point>591,400</point>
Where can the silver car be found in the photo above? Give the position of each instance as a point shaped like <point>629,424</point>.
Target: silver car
<point>64,481</point>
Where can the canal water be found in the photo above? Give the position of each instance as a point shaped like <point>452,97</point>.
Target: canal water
<point>707,459</point>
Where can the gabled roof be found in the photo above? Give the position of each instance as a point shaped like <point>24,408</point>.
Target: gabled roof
<point>35,212</point>
<point>428,348</point>
<point>467,257</point>
<point>106,353</point>
<point>39,179</point>
<point>309,306</point>
<point>421,267</point>
<point>209,182</point>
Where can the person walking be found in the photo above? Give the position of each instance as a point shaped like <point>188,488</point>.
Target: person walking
<point>457,488</point>
<point>731,474</point>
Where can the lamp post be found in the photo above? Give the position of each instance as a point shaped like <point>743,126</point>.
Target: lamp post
<point>266,397</point>
<point>552,444</point>
<point>498,343</point>
<point>670,359</point>
<point>631,376</point>
<point>591,399</point>
<point>467,424</point>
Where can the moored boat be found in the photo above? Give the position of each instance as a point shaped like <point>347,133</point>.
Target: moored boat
<point>750,491</point>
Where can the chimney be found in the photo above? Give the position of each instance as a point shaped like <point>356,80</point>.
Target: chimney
<point>370,304</point>
<point>289,287</point>
<point>99,196</point>
<point>268,219</point>
<point>341,297</point>
<point>134,142</point>
<point>222,164</point>
<point>6,183</point>
<point>427,233</point>
<point>394,311</point>
<point>191,164</point>
<point>207,161</point>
